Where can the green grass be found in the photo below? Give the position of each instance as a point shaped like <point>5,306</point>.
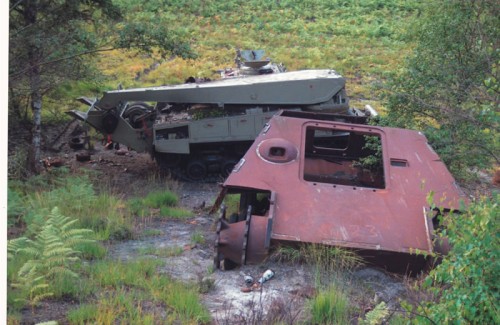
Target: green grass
<point>360,39</point>
<point>116,273</point>
<point>127,287</point>
<point>232,203</point>
<point>175,213</point>
<point>330,306</point>
<point>75,196</point>
<point>92,251</point>
<point>164,201</point>
<point>197,238</point>
<point>84,314</point>
<point>328,259</point>
<point>151,232</point>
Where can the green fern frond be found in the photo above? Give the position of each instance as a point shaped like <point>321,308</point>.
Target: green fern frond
<point>31,251</point>
<point>377,315</point>
<point>68,224</point>
<point>39,297</point>
<point>79,232</point>
<point>51,254</point>
<point>28,268</point>
<point>57,251</point>
<point>78,241</point>
<point>62,271</point>
<point>59,261</point>
<point>38,287</point>
<point>53,246</point>
<point>14,245</point>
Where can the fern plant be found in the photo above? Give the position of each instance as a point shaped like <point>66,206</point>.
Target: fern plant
<point>376,316</point>
<point>51,255</point>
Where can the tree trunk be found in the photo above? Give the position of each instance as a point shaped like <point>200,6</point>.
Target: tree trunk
<point>35,81</point>
<point>36,107</point>
<point>36,134</point>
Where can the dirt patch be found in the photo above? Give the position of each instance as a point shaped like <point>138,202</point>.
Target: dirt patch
<point>49,310</point>
<point>225,293</point>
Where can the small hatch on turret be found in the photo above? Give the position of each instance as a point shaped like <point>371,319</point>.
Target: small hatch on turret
<point>277,151</point>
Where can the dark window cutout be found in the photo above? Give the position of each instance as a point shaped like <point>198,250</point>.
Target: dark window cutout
<point>180,132</point>
<point>259,200</point>
<point>277,151</point>
<point>399,163</point>
<point>330,139</point>
<point>343,157</point>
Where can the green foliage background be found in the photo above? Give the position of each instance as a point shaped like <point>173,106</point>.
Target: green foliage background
<point>448,86</point>
<point>465,285</point>
<point>360,39</point>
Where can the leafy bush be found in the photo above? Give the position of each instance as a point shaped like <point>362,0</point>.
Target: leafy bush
<point>448,87</point>
<point>465,284</point>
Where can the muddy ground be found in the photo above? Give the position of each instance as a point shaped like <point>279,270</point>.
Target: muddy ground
<point>284,297</point>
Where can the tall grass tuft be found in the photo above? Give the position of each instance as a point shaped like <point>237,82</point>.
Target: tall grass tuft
<point>175,213</point>
<point>327,259</point>
<point>330,306</point>
<point>84,314</point>
<point>158,199</point>
<point>164,201</point>
<point>186,303</point>
<point>116,274</point>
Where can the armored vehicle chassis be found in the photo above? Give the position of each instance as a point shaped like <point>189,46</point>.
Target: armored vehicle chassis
<point>198,131</point>
<point>309,179</point>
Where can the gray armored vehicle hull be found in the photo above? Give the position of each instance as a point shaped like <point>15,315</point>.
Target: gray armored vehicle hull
<point>200,130</point>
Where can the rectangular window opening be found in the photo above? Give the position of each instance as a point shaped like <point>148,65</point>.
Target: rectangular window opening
<point>399,163</point>
<point>343,157</point>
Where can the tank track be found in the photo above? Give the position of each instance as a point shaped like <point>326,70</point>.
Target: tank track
<point>179,173</point>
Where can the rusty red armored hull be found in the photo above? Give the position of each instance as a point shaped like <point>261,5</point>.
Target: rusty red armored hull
<point>310,180</point>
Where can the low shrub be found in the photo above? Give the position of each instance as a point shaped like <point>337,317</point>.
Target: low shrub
<point>465,285</point>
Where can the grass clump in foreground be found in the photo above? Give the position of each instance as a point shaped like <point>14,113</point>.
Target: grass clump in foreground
<point>328,260</point>
<point>135,293</point>
<point>162,202</point>
<point>332,267</point>
<point>330,306</point>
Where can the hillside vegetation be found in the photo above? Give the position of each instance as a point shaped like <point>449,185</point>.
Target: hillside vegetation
<point>360,39</point>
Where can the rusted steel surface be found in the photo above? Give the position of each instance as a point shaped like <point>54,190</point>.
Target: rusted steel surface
<point>321,194</point>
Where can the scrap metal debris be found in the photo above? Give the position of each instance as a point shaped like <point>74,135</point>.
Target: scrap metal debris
<point>313,181</point>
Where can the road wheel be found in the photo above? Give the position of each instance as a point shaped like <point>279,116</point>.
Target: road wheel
<point>169,160</point>
<point>227,167</point>
<point>196,170</point>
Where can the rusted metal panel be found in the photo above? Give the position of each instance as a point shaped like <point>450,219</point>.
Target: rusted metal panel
<point>325,194</point>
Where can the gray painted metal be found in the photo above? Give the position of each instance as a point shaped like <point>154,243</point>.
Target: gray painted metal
<point>305,87</point>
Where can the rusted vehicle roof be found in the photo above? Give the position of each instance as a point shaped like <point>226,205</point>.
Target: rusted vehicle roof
<point>321,181</point>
